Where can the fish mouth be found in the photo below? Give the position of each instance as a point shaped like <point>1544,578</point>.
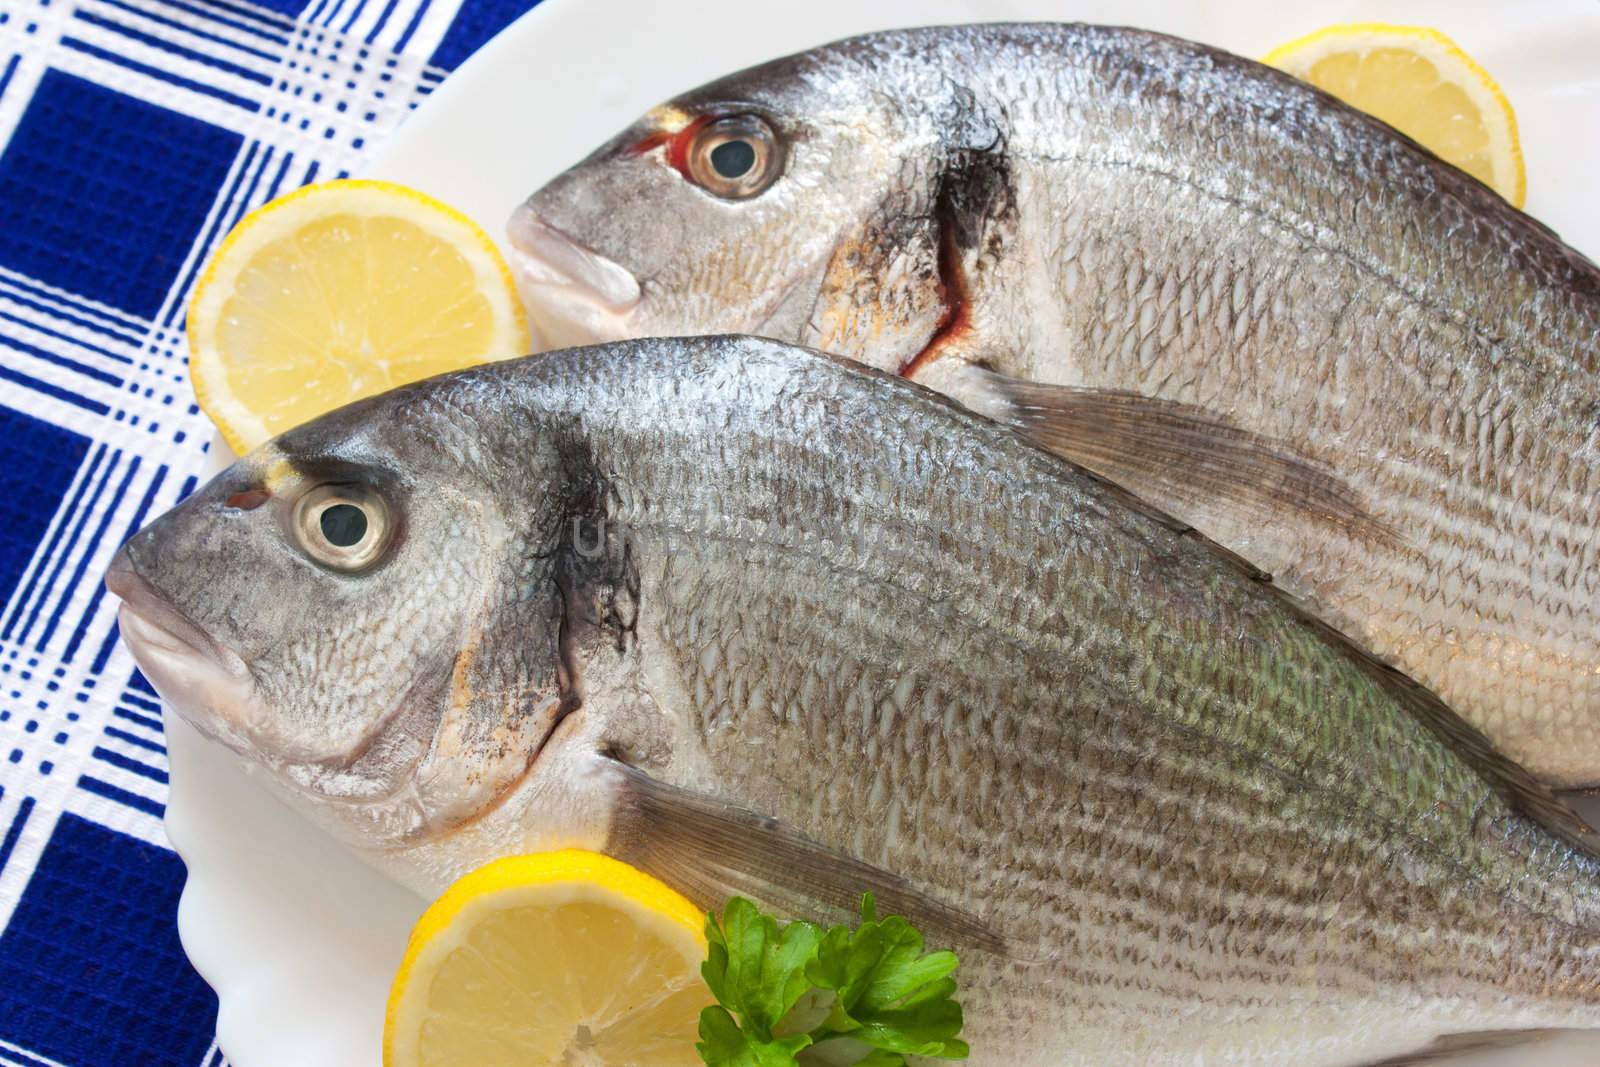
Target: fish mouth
<point>199,677</point>
<point>573,294</point>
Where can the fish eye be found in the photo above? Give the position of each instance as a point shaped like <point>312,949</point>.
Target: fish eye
<point>736,157</point>
<point>343,527</point>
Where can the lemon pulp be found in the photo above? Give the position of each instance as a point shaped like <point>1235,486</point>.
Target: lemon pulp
<point>565,958</point>
<point>337,292</point>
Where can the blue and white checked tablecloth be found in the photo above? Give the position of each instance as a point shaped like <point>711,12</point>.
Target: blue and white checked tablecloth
<point>133,135</point>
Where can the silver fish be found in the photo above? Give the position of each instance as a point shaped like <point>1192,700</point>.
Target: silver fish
<point>764,621</point>
<point>1270,315</point>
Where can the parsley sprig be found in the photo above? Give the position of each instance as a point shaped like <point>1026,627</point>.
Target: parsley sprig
<point>886,993</point>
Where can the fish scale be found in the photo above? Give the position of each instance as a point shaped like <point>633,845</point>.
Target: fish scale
<point>1155,217</point>
<point>1048,759</point>
<point>1242,337</point>
<point>762,621</point>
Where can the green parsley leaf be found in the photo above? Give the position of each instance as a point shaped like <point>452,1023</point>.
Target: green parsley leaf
<point>887,993</point>
<point>723,1044</point>
<point>756,970</point>
<point>890,995</point>
<point>879,1058</point>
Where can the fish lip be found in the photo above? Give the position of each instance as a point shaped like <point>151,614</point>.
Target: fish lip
<point>572,292</point>
<point>550,257</point>
<point>157,615</point>
<point>174,651</point>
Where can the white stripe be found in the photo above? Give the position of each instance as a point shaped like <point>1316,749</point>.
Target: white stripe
<point>31,1058</point>
<point>36,49</point>
<point>29,288</point>
<point>17,608</point>
<point>90,347</point>
<point>117,817</point>
<point>66,560</point>
<point>183,39</point>
<point>160,59</point>
<point>155,91</point>
<point>154,733</point>
<point>25,855</point>
<point>64,378</point>
<point>209,229</point>
<point>156,761</point>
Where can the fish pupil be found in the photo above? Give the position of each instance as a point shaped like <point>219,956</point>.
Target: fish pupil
<point>733,159</point>
<point>344,525</point>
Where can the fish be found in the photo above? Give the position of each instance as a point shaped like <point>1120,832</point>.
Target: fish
<point>760,620</point>
<point>1269,315</point>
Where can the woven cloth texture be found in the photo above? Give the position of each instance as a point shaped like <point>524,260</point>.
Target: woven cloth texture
<point>133,135</point>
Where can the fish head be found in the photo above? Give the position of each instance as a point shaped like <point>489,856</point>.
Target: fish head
<point>767,203</point>
<point>360,608</point>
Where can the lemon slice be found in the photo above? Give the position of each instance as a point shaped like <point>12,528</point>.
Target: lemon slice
<point>568,959</point>
<point>1418,81</point>
<point>339,291</point>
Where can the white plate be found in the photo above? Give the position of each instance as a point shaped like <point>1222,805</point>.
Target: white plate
<point>299,939</point>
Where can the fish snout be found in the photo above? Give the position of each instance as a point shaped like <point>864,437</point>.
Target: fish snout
<point>574,295</point>
<point>122,580</point>
<point>203,680</point>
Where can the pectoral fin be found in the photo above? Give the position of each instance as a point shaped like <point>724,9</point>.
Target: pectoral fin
<point>711,850</point>
<point>1176,456</point>
<point>1506,1048</point>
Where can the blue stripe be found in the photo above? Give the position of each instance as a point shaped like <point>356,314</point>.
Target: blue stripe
<point>102,657</point>
<point>53,390</point>
<point>281,22</point>
<point>23,811</point>
<point>209,237</point>
<point>55,539</point>
<point>175,48</point>
<point>11,68</point>
<point>148,724</point>
<point>62,361</point>
<point>121,796</point>
<point>277,181</point>
<point>135,739</point>
<point>154,72</point>
<point>383,20</point>
<point>87,554</point>
<point>141,702</point>
<point>133,766</point>
<point>247,197</point>
<point>108,324</point>
<point>188,27</point>
<point>96,349</point>
<point>66,548</point>
<point>354,15</point>
<point>416,20</point>
<point>100,589</point>
<point>276,38</point>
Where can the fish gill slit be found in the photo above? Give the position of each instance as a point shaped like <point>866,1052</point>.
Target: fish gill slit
<point>569,671</point>
<point>954,296</point>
